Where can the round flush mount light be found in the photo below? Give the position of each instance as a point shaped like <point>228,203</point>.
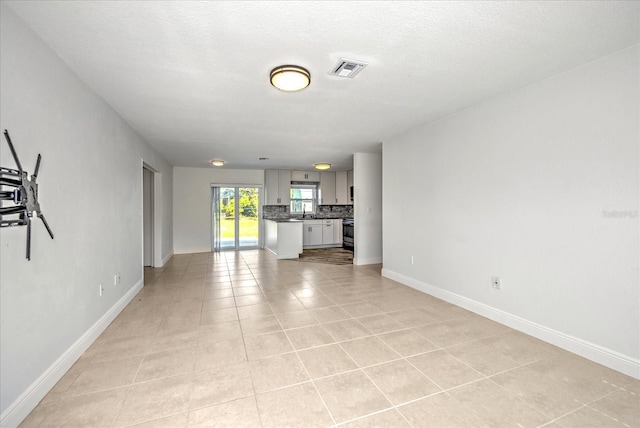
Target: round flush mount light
<point>217,162</point>
<point>322,165</point>
<point>290,78</point>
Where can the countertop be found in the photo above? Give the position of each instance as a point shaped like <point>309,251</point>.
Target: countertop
<point>295,219</point>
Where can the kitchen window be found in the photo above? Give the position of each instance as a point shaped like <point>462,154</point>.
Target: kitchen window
<point>303,197</point>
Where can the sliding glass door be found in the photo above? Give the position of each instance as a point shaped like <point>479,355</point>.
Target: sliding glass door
<point>235,218</point>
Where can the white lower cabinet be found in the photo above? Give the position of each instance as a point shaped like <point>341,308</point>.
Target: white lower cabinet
<point>327,232</point>
<point>322,233</point>
<point>312,233</point>
<point>337,231</point>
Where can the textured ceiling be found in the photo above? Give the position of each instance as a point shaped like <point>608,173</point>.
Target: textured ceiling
<point>192,77</point>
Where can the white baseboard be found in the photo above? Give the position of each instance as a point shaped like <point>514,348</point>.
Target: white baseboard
<point>166,258</point>
<point>194,250</point>
<point>29,399</point>
<point>367,261</point>
<point>286,256</point>
<point>599,354</point>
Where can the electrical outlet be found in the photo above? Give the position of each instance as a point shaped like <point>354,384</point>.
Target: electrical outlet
<point>495,283</point>
<point>101,290</point>
<point>411,259</point>
<point>116,279</point>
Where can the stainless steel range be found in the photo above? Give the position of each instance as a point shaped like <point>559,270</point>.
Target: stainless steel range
<point>347,234</point>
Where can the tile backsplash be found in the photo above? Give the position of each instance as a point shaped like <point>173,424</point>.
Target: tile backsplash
<point>335,211</point>
<point>275,212</point>
<point>281,212</point>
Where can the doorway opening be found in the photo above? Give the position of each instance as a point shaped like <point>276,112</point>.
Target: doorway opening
<point>151,217</point>
<point>147,217</point>
<point>235,217</point>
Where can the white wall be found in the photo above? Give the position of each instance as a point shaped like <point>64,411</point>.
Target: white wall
<point>539,187</point>
<point>192,203</point>
<point>367,208</point>
<point>91,193</point>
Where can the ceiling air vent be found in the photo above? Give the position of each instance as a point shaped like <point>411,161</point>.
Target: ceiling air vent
<point>347,67</point>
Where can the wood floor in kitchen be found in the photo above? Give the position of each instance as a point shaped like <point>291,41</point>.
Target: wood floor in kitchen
<point>332,256</point>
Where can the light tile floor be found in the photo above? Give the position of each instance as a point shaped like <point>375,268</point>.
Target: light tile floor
<point>239,339</point>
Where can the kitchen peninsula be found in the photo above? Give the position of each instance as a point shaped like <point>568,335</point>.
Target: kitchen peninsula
<point>283,237</point>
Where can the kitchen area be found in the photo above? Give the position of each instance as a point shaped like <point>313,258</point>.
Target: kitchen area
<point>193,210</point>
<point>307,210</point>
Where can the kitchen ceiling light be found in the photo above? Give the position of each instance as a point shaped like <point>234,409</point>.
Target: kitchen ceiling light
<point>217,162</point>
<point>322,165</point>
<point>290,78</point>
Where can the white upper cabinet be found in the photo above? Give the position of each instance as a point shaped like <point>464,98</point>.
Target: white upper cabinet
<point>305,176</point>
<point>284,186</point>
<point>271,183</point>
<point>277,187</point>
<point>327,188</point>
<point>342,190</point>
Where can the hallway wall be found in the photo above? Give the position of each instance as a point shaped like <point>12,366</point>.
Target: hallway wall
<point>91,193</point>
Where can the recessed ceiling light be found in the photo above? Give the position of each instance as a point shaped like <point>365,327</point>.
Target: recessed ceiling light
<point>217,162</point>
<point>322,165</point>
<point>290,78</point>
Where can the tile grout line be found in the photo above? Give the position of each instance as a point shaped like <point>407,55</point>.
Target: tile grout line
<point>315,387</point>
<point>588,406</point>
<point>129,388</point>
<point>246,353</point>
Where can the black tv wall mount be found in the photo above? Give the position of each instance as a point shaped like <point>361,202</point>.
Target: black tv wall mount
<point>23,195</point>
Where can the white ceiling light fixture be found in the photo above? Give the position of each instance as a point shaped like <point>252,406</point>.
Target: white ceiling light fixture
<point>217,162</point>
<point>290,78</point>
<point>322,165</point>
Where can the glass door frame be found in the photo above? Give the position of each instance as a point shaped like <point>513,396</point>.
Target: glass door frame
<point>237,188</point>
